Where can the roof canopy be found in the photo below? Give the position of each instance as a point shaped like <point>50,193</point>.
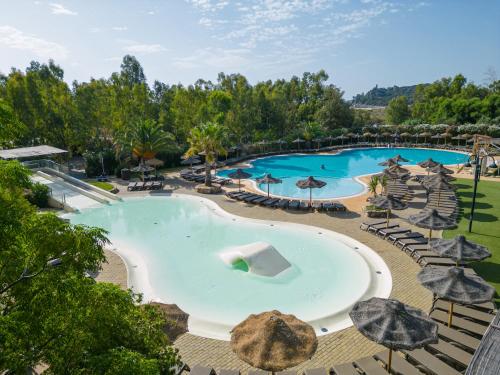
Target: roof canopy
<point>30,152</point>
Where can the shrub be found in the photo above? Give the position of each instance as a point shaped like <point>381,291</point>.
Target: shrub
<point>93,165</point>
<point>39,195</point>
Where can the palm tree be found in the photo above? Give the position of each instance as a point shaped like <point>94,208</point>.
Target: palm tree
<point>207,139</point>
<point>373,184</point>
<point>144,140</point>
<point>383,183</point>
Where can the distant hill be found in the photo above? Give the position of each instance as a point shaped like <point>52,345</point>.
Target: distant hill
<point>380,96</point>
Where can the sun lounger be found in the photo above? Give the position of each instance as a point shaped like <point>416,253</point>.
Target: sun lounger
<point>464,311</point>
<point>139,186</point>
<point>375,228</point>
<point>318,206</point>
<point>202,370</point>
<point>403,242</point>
<point>131,186</point>
<point>283,203</point>
<point>157,185</point>
<point>345,369</point>
<point>316,371</point>
<point>398,236</point>
<point>243,196</point>
<point>252,197</point>
<point>431,261</point>
<point>445,351</point>
<point>228,372</point>
<point>399,365</point>
<point>328,206</point>
<point>260,200</point>
<point>294,205</point>
<point>410,249</point>
<point>459,323</point>
<point>463,340</point>
<point>388,231</point>
<point>434,365</point>
<point>368,224</point>
<point>369,365</point>
<point>271,202</point>
<point>148,185</point>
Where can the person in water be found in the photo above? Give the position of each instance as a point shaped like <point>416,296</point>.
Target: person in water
<point>322,166</point>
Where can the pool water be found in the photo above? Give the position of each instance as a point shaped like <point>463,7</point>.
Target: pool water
<point>171,246</point>
<point>339,170</point>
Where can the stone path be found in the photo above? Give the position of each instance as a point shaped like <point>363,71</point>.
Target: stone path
<point>334,348</point>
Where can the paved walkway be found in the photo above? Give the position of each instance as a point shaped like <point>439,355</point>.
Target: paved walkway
<point>334,348</point>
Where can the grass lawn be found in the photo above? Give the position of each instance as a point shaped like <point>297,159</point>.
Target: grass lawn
<point>103,185</point>
<point>485,227</point>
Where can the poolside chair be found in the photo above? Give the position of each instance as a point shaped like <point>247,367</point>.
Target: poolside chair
<point>283,203</point>
<point>294,205</point>
<point>393,237</point>
<point>450,354</point>
<point>459,323</point>
<point>131,186</point>
<point>139,186</point>
<point>399,365</point>
<point>369,366</point>
<point>388,231</point>
<point>366,225</point>
<point>252,198</point>
<point>316,371</point>
<point>345,369</point>
<point>425,360</point>
<point>339,207</point>
<point>228,372</point>
<point>202,370</point>
<point>157,185</point>
<point>457,338</point>
<point>404,242</point>
<point>148,185</point>
<point>260,200</point>
<point>318,206</point>
<point>431,261</point>
<point>410,249</point>
<point>271,202</point>
<point>465,311</point>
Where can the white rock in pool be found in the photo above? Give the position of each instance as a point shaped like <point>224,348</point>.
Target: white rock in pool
<point>262,258</point>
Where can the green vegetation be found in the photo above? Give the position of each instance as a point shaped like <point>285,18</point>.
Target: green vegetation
<point>52,312</point>
<point>397,111</point>
<point>39,195</point>
<point>103,185</point>
<point>485,227</point>
<point>383,95</point>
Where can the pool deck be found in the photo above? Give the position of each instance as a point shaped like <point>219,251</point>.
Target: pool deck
<point>335,348</point>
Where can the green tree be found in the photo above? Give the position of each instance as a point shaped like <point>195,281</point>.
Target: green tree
<point>208,139</point>
<point>397,111</point>
<point>52,312</point>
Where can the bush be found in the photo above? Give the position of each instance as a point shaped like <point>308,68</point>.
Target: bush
<point>39,195</point>
<point>93,165</point>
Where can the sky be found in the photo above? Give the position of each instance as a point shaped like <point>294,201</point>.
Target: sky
<point>359,43</point>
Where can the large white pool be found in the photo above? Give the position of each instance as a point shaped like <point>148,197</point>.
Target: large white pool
<point>171,246</point>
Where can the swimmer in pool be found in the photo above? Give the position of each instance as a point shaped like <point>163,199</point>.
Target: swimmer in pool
<point>322,166</point>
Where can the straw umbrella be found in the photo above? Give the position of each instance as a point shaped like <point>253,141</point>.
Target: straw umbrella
<point>281,142</point>
<point>298,141</point>
<point>272,341</point>
<point>427,164</point>
<point>176,320</point>
<point>268,179</point>
<point>458,138</point>
<point>395,176</point>
<point>445,136</point>
<point>388,163</point>
<point>388,202</point>
<point>155,163</point>
<point>368,135</point>
<point>453,285</point>
<point>437,136</point>
<point>425,135</point>
<point>142,168</point>
<point>438,183</point>
<point>239,175</point>
<point>432,220</point>
<point>318,142</point>
<point>459,249</point>
<point>398,158</point>
<point>190,161</point>
<point>393,324</point>
<point>398,169</point>
<point>310,183</point>
<point>440,168</point>
<point>330,139</point>
<point>342,138</point>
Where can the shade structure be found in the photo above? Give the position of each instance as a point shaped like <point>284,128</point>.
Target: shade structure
<point>429,180</point>
<point>438,183</point>
<point>405,134</point>
<point>388,163</point>
<point>388,202</point>
<point>425,135</point>
<point>459,249</point>
<point>191,160</point>
<point>142,168</point>
<point>298,141</point>
<point>239,175</point>
<point>429,163</point>
<point>393,324</point>
<point>368,135</point>
<point>268,179</point>
<point>455,286</point>
<point>398,169</point>
<point>176,320</point>
<point>440,168</point>
<point>398,158</point>
<point>155,162</point>
<point>310,183</point>
<point>395,176</point>
<point>432,220</point>
<point>273,341</point>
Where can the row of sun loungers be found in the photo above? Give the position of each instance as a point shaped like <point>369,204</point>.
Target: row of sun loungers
<point>200,178</point>
<point>284,203</point>
<point>148,185</point>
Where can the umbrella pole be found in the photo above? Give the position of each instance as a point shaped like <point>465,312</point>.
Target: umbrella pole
<point>239,185</point>
<point>389,362</point>
<point>430,234</point>
<point>388,217</point>
<point>310,197</point>
<point>268,190</point>
<point>439,196</point>
<point>450,314</point>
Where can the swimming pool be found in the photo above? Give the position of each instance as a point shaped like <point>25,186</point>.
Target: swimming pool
<point>172,246</point>
<point>339,170</point>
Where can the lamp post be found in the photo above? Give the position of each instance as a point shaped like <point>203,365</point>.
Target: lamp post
<point>477,173</point>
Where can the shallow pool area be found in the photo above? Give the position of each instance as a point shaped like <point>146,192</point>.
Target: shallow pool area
<point>172,245</point>
<point>339,171</point>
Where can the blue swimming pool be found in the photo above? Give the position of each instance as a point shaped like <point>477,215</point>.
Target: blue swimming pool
<point>339,170</point>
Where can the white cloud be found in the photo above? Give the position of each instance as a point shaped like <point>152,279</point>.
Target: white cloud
<point>59,9</point>
<point>144,48</point>
<point>17,39</point>
<point>113,58</point>
<point>223,59</point>
<point>209,5</point>
<point>119,28</point>
<point>95,29</point>
<point>151,13</point>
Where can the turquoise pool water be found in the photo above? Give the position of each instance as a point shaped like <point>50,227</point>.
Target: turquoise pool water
<point>171,246</point>
<point>340,169</point>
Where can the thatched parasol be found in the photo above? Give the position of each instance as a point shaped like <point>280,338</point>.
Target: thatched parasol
<point>298,141</point>
<point>455,286</point>
<point>440,168</point>
<point>425,135</point>
<point>191,160</point>
<point>388,202</point>
<point>397,169</point>
<point>395,176</point>
<point>393,324</point>
<point>368,135</point>
<point>459,249</point>
<point>155,162</point>
<point>142,168</point>
<point>273,341</point>
<point>268,179</point>
<point>388,163</point>
<point>176,320</point>
<point>239,175</point>
<point>432,220</point>
<point>427,164</point>
<point>438,183</point>
<point>399,158</point>
<point>310,183</point>
<point>433,178</point>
